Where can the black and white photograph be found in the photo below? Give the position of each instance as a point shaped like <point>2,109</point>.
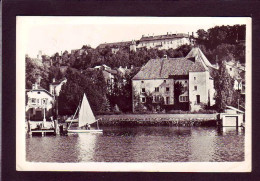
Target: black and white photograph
<point>133,94</point>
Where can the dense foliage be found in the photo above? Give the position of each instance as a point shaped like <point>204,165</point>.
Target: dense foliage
<point>77,84</point>
<point>225,93</point>
<point>223,43</point>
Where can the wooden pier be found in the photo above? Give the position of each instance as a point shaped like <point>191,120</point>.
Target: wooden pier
<point>43,130</point>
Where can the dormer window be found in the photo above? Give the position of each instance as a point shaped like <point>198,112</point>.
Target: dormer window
<point>142,81</point>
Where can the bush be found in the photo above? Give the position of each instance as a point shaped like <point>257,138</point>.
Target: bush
<point>201,111</point>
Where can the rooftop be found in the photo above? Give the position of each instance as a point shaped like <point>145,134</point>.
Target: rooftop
<point>163,37</point>
<point>162,68</point>
<point>115,45</point>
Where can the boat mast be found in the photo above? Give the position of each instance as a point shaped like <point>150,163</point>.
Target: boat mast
<point>74,115</point>
<point>97,124</point>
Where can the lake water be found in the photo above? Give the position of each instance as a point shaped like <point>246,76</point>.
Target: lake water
<point>140,144</point>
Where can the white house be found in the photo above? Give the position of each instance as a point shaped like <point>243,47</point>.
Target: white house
<point>159,77</point>
<point>55,86</point>
<point>237,72</point>
<point>165,41</point>
<point>39,99</point>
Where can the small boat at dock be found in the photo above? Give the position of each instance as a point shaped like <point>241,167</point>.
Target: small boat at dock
<point>85,119</point>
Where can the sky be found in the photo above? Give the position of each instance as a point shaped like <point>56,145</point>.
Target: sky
<point>56,34</point>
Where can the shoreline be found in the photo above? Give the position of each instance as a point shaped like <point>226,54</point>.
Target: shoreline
<point>158,120</point>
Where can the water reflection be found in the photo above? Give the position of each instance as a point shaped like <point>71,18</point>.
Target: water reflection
<point>86,144</point>
<point>230,131</point>
<point>140,144</point>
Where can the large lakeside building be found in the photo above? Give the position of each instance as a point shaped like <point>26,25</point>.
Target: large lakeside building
<point>159,76</point>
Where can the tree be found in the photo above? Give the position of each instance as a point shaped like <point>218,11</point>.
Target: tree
<point>148,101</point>
<point>223,84</point>
<point>72,92</point>
<point>106,105</point>
<point>178,90</point>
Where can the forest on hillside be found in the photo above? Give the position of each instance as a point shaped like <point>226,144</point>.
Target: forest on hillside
<point>221,43</point>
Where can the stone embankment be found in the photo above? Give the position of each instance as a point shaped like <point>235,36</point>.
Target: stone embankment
<point>158,120</point>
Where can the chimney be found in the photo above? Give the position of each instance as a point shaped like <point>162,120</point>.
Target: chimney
<point>35,86</point>
<point>38,80</point>
<point>53,80</point>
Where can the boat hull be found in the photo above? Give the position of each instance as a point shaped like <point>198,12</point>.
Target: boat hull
<point>85,131</point>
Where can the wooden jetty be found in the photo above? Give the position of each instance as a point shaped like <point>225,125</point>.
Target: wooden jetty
<point>55,130</point>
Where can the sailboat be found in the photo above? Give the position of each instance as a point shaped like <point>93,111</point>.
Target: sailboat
<point>86,116</point>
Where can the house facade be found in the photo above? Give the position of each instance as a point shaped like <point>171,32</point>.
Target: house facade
<point>55,86</point>
<point>160,42</point>
<point>164,41</point>
<point>40,101</point>
<point>159,78</point>
<point>237,72</point>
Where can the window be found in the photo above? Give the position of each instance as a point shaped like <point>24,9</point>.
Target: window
<point>156,98</point>
<point>186,81</point>
<point>38,101</point>
<point>230,69</point>
<point>183,99</point>
<point>198,99</point>
<point>143,99</point>
<point>195,88</point>
<point>164,81</point>
<point>156,89</point>
<point>167,89</point>
<point>194,78</point>
<point>142,81</point>
<point>33,100</point>
<point>143,89</point>
<point>38,92</point>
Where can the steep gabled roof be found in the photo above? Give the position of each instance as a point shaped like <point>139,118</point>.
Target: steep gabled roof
<point>163,68</point>
<point>197,52</point>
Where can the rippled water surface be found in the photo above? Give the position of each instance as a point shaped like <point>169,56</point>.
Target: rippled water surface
<point>140,144</point>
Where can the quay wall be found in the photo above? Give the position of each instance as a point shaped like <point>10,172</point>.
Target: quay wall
<point>158,120</point>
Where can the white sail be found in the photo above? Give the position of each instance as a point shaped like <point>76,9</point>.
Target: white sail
<point>85,113</point>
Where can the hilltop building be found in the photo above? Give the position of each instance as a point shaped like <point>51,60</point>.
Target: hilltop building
<point>115,46</point>
<point>159,42</point>
<point>159,77</point>
<point>165,41</point>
